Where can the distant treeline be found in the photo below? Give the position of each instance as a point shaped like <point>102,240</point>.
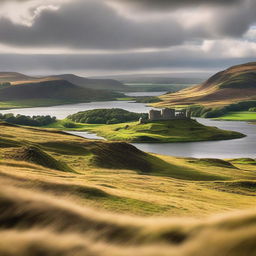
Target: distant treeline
<point>150,99</point>
<point>27,120</point>
<point>106,116</point>
<point>5,84</point>
<point>200,111</point>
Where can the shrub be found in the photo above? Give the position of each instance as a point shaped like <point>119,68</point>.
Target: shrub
<point>106,116</point>
<point>69,124</point>
<point>200,111</point>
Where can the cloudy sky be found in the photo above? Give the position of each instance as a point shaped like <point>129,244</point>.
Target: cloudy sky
<point>94,37</point>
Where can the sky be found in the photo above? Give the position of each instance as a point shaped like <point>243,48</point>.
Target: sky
<point>107,37</point>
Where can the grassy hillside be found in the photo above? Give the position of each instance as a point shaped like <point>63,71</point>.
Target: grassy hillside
<point>235,84</point>
<point>27,91</point>
<point>239,116</point>
<point>100,84</point>
<point>62,228</point>
<point>56,90</point>
<point>157,86</point>
<point>13,76</point>
<point>101,175</point>
<point>160,131</point>
<point>29,103</point>
<point>50,211</point>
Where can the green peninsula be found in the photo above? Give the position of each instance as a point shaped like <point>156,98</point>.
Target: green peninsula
<point>187,130</point>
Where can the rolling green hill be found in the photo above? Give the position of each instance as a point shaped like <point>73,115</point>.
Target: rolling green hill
<point>14,76</point>
<point>65,195</point>
<point>61,90</point>
<point>28,91</point>
<point>157,131</point>
<point>119,177</point>
<point>233,85</point>
<point>91,83</point>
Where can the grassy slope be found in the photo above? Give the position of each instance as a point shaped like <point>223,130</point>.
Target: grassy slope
<point>50,212</point>
<point>104,177</point>
<point>239,116</point>
<point>156,87</point>
<point>50,226</point>
<point>34,92</point>
<point>109,84</point>
<point>232,85</point>
<point>29,103</point>
<point>102,84</point>
<point>55,89</point>
<point>164,131</point>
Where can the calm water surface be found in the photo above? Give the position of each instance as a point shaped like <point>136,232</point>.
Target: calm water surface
<point>63,111</point>
<point>143,94</point>
<point>86,135</point>
<point>245,147</point>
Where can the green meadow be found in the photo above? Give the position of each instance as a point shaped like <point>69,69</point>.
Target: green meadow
<point>29,103</point>
<point>239,116</point>
<point>154,132</point>
<point>65,195</point>
<point>120,178</point>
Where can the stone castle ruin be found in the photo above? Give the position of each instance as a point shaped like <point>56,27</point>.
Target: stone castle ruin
<point>167,114</point>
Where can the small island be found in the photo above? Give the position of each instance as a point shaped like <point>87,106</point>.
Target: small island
<point>164,126</point>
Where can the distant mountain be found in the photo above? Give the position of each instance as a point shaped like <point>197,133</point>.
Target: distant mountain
<point>53,89</point>
<point>99,84</point>
<point>165,78</point>
<point>13,76</point>
<point>235,84</point>
<point>106,84</point>
<point>158,79</point>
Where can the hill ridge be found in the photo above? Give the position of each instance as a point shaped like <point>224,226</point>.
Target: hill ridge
<point>91,83</point>
<point>237,83</point>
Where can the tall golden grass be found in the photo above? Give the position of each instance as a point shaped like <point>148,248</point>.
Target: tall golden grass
<point>32,223</point>
<point>49,212</point>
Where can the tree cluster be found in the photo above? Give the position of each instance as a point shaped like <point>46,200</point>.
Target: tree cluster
<point>106,116</point>
<point>5,84</point>
<point>200,111</point>
<point>27,120</point>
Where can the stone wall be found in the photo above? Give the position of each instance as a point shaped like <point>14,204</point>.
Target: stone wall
<point>167,114</point>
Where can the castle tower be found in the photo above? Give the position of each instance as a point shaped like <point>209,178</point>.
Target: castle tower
<point>188,113</point>
<point>168,113</point>
<point>182,114</point>
<point>154,115</point>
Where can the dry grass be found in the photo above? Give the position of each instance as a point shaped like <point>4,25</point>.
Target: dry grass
<point>212,94</point>
<point>42,225</point>
<point>103,177</point>
<point>49,212</point>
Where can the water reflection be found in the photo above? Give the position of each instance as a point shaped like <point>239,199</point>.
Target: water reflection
<point>244,147</point>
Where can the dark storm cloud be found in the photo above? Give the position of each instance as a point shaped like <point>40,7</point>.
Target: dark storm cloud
<point>113,63</point>
<point>94,25</point>
<point>162,4</point>
<point>235,21</point>
<point>91,25</point>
